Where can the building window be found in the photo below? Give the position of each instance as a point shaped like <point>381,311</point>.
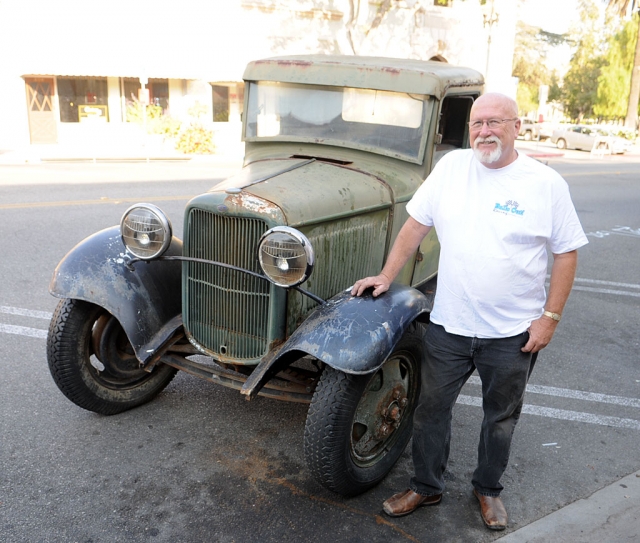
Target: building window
<point>82,99</point>
<point>220,103</point>
<point>159,93</point>
<point>130,88</point>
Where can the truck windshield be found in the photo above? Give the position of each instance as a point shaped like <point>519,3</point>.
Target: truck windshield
<point>389,123</point>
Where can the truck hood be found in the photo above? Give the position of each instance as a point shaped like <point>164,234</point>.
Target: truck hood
<point>309,190</point>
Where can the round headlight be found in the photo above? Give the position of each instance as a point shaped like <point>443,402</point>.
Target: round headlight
<point>286,256</point>
<point>145,231</point>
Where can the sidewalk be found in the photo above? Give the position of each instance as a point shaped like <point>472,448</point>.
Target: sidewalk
<point>611,514</point>
<point>156,150</point>
<point>153,150</point>
<point>544,150</point>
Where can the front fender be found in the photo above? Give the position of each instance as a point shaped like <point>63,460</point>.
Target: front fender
<point>146,301</point>
<point>351,334</point>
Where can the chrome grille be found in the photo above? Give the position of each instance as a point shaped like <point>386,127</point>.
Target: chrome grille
<point>225,311</point>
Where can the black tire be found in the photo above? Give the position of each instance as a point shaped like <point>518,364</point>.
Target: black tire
<point>561,144</point>
<point>92,361</point>
<point>344,442</point>
<point>528,136</point>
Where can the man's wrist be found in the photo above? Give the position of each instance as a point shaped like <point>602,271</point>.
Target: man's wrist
<point>555,316</point>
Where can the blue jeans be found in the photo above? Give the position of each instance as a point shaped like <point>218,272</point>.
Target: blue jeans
<point>449,361</point>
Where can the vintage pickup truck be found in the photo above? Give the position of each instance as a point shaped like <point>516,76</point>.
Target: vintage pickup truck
<point>335,148</point>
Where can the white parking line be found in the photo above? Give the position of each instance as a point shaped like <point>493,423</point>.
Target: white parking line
<point>578,280</point>
<point>23,331</point>
<point>607,291</point>
<point>573,394</point>
<point>548,412</point>
<point>25,312</point>
<point>608,283</point>
<point>561,414</point>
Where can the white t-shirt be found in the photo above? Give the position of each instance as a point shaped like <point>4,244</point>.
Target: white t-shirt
<point>494,227</point>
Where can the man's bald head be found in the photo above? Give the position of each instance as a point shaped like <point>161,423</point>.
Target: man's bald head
<point>499,101</point>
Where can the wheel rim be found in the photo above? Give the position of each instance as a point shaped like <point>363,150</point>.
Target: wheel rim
<point>384,410</point>
<point>112,361</point>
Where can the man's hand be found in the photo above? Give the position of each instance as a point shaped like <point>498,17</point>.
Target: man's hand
<point>562,273</point>
<point>540,334</point>
<point>411,235</point>
<point>380,284</point>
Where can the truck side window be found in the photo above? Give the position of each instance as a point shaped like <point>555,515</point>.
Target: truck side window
<point>453,130</point>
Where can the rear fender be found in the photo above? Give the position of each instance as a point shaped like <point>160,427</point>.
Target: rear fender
<point>351,334</point>
<point>146,299</point>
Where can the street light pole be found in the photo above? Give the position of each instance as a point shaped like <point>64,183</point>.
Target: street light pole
<point>489,18</point>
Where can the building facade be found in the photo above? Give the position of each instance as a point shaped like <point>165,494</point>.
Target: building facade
<point>73,73</point>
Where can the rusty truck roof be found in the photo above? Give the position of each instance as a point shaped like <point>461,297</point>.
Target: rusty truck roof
<point>391,74</point>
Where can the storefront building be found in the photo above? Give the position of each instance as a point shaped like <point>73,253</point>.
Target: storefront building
<point>83,75</point>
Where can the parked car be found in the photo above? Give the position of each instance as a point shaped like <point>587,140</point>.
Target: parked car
<point>529,130</point>
<point>545,130</point>
<point>588,138</point>
<point>335,148</point>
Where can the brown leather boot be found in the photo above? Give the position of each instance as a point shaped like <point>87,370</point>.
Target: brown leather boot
<point>407,502</point>
<point>492,510</point>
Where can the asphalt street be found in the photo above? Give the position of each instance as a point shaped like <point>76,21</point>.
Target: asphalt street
<point>199,463</point>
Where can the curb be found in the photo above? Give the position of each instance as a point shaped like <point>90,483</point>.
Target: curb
<point>610,514</point>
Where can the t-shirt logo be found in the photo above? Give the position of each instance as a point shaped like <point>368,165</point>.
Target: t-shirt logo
<point>509,207</point>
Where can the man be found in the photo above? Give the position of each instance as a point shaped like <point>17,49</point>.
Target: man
<point>495,211</point>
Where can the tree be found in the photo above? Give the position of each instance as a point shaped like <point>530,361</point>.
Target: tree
<point>615,76</point>
<point>580,88</point>
<point>530,66</point>
<point>527,67</point>
<point>622,8</point>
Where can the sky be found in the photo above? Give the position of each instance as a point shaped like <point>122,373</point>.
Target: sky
<point>550,15</point>
<point>554,16</point>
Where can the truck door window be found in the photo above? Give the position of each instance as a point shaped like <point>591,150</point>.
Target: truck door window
<point>453,131</point>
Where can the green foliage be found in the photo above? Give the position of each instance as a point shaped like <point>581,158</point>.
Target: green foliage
<point>135,112</point>
<point>529,66</point>
<point>198,110</point>
<point>527,98</point>
<point>580,88</point>
<point>614,80</point>
<point>555,89</point>
<point>195,139</point>
<point>167,126</point>
<point>156,121</point>
<point>189,139</point>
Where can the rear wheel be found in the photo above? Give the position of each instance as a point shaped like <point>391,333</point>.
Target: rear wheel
<point>93,363</point>
<point>359,425</point>
<point>562,144</point>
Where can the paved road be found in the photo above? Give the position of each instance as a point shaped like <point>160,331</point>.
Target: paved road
<point>201,464</point>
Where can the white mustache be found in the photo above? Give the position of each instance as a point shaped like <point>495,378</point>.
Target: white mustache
<point>489,139</point>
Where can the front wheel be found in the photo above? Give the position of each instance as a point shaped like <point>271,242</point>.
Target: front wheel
<point>358,425</point>
<point>93,363</point>
<point>528,136</point>
<point>562,144</point>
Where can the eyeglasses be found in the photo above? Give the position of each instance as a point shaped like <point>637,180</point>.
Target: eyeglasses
<point>491,123</point>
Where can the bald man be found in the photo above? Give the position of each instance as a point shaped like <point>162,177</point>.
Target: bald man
<point>496,212</point>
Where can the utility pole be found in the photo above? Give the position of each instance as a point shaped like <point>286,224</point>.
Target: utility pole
<point>489,18</point>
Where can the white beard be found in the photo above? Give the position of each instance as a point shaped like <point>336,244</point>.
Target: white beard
<point>488,157</point>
